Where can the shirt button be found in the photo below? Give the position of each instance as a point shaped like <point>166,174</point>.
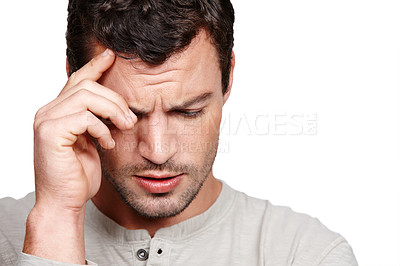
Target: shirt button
<point>142,254</point>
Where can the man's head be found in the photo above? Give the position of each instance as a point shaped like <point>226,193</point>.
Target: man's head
<point>176,80</point>
<point>152,30</point>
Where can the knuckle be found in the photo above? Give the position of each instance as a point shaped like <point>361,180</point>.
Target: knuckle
<point>89,119</point>
<point>98,130</point>
<point>38,118</point>
<point>85,83</point>
<point>38,114</point>
<point>85,116</point>
<point>72,77</point>
<point>42,129</point>
<point>36,124</point>
<point>121,101</point>
<point>82,93</point>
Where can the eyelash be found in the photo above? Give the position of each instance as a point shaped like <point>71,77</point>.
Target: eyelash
<point>191,115</point>
<point>185,114</point>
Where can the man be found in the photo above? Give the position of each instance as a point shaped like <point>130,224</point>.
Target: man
<point>124,154</point>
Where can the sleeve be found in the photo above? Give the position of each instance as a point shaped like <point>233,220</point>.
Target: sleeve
<point>339,253</point>
<point>8,256</point>
<point>29,260</point>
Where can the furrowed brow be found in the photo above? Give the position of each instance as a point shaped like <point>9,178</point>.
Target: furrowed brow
<point>196,100</point>
<point>138,112</point>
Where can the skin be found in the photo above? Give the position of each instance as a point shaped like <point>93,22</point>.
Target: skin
<point>68,165</point>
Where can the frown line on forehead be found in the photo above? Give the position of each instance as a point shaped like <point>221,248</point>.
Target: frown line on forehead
<point>199,99</point>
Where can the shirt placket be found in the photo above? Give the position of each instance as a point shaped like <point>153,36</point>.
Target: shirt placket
<point>155,252</point>
<point>141,253</point>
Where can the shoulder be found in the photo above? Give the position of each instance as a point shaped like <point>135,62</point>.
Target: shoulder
<point>293,238</point>
<point>13,214</point>
<point>17,207</point>
<point>304,239</point>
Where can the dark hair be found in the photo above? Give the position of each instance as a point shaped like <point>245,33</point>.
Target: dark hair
<point>150,29</point>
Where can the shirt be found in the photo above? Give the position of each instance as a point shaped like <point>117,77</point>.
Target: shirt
<point>236,230</point>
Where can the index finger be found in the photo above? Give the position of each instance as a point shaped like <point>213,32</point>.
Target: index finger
<point>92,70</point>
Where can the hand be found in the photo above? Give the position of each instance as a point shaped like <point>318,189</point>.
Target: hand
<point>67,165</point>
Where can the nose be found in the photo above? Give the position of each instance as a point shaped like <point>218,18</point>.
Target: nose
<point>156,141</point>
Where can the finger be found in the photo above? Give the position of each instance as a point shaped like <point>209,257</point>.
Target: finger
<point>92,70</point>
<point>65,131</point>
<point>85,100</point>
<point>95,88</point>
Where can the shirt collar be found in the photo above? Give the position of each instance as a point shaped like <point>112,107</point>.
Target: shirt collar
<point>182,230</point>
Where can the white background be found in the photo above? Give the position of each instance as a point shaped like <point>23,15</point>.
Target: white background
<point>313,121</point>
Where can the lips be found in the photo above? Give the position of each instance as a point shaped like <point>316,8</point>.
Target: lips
<point>158,183</point>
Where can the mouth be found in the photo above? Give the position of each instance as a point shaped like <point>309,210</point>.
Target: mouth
<point>157,184</point>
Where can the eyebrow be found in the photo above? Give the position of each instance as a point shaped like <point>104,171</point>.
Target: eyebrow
<point>195,100</point>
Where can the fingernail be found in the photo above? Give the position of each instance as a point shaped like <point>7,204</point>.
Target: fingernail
<point>111,144</point>
<point>129,119</point>
<point>132,117</point>
<point>105,53</point>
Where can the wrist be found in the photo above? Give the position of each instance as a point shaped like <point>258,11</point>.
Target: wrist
<point>56,234</point>
<point>54,212</point>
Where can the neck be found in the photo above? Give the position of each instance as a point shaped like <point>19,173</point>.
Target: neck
<point>109,202</point>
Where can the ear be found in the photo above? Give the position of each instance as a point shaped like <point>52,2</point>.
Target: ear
<point>228,90</point>
<point>67,68</point>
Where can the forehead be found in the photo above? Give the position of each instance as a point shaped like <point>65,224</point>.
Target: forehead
<point>184,75</point>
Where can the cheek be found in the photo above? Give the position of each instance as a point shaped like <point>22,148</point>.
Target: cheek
<point>211,122</point>
<point>125,147</point>
<point>126,141</point>
<point>197,139</point>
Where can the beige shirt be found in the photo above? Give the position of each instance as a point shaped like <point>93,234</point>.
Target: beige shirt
<point>235,230</point>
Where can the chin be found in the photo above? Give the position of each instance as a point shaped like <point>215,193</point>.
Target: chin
<point>159,205</point>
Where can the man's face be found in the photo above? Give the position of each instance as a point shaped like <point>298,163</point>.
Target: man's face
<point>159,166</point>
